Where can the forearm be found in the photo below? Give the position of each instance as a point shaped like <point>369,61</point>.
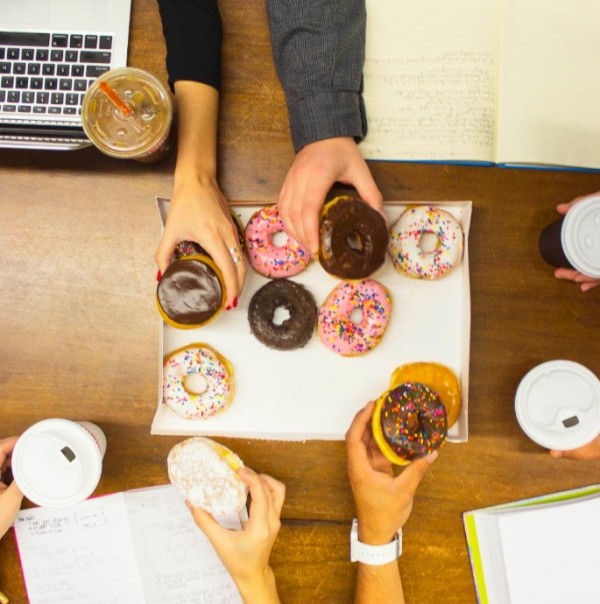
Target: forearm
<point>259,589</point>
<point>378,584</point>
<point>318,49</point>
<point>197,111</point>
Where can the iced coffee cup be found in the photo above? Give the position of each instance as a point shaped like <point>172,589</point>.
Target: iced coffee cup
<point>128,113</point>
<point>557,405</point>
<point>573,241</point>
<point>57,462</point>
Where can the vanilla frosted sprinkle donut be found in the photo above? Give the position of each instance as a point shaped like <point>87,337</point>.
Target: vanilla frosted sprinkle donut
<point>354,317</point>
<point>267,258</point>
<point>405,249</point>
<point>212,394</point>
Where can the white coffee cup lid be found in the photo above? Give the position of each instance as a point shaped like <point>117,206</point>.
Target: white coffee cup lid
<point>56,463</point>
<point>558,405</point>
<point>580,236</point>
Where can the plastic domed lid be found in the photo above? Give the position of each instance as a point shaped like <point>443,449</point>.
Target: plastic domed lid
<point>558,405</point>
<point>580,236</point>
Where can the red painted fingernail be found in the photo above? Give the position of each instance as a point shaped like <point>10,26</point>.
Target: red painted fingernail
<point>158,276</point>
<point>235,303</point>
<point>228,307</point>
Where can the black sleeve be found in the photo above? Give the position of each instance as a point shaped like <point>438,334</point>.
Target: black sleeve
<point>193,34</point>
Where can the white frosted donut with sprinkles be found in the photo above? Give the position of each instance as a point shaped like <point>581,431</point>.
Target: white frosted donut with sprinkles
<point>354,317</point>
<point>269,256</point>
<point>197,381</point>
<point>406,246</point>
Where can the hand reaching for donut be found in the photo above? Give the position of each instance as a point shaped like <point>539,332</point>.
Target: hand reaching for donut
<point>245,553</point>
<point>585,283</point>
<point>315,169</point>
<point>10,495</point>
<point>199,211</point>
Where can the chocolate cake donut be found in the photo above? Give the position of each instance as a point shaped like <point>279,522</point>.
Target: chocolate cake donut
<point>353,238</point>
<point>295,331</point>
<point>191,292</point>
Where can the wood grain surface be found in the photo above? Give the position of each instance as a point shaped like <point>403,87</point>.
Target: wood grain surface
<point>79,330</point>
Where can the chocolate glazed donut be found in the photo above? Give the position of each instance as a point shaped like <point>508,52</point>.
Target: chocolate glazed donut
<point>191,292</point>
<point>295,331</point>
<point>353,238</point>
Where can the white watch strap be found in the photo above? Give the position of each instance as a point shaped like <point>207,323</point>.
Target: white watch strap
<point>374,555</point>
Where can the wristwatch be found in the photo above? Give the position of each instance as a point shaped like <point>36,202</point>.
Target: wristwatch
<point>374,555</point>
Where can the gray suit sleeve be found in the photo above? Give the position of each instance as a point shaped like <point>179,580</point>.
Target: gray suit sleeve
<point>319,51</point>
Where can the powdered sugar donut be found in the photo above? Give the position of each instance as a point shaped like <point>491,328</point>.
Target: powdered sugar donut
<point>405,246</point>
<point>266,256</point>
<point>197,381</point>
<point>354,317</point>
<point>204,471</point>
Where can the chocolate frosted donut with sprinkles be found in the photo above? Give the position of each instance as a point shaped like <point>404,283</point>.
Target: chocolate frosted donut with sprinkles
<point>272,252</point>
<point>354,317</point>
<point>425,242</point>
<point>409,422</point>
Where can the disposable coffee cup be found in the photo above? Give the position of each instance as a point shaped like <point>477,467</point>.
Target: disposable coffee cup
<point>128,113</point>
<point>57,463</point>
<point>557,405</point>
<point>573,241</point>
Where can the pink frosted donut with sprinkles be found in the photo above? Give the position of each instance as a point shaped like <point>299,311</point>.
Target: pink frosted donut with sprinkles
<point>410,253</point>
<point>197,381</point>
<point>272,252</point>
<point>354,317</point>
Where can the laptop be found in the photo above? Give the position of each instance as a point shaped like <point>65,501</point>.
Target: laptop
<point>50,53</point>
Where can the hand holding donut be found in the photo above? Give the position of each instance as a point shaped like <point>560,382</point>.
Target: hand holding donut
<point>246,553</point>
<point>383,501</point>
<point>585,283</point>
<point>10,495</point>
<point>315,169</point>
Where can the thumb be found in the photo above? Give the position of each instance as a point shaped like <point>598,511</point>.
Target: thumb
<point>10,502</point>
<point>367,189</point>
<point>413,474</point>
<point>164,252</point>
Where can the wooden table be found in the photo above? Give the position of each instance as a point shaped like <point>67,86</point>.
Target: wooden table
<point>79,329</point>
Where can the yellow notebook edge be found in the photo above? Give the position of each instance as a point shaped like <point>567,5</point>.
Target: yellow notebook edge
<point>471,528</point>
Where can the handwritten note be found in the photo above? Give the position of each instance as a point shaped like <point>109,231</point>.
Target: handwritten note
<point>132,548</point>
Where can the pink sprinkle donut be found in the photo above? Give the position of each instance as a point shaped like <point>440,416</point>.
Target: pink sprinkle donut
<point>267,257</point>
<point>354,317</point>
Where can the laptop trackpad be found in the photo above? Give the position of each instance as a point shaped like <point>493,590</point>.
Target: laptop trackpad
<point>57,14</point>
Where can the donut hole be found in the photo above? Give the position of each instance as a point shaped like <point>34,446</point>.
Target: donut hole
<point>195,383</point>
<point>356,242</point>
<point>279,239</point>
<point>281,314</point>
<point>356,316</point>
<point>429,242</point>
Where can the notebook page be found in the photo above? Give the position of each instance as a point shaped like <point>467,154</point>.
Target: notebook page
<point>177,563</point>
<point>549,109</point>
<point>430,79</point>
<point>551,553</point>
<point>79,555</point>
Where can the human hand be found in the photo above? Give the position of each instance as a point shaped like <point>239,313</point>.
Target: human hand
<point>589,451</point>
<point>383,501</point>
<point>199,212</point>
<point>10,495</point>
<point>245,553</point>
<point>315,169</point>
<point>585,283</point>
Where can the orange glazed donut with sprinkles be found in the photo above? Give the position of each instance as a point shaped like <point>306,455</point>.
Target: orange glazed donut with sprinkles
<point>409,421</point>
<point>272,252</point>
<point>408,250</point>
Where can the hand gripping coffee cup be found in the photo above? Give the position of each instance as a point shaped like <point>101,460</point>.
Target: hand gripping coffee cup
<point>573,241</point>
<point>127,113</point>
<point>57,462</point>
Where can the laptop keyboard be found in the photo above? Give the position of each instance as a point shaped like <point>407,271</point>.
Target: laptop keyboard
<point>47,74</point>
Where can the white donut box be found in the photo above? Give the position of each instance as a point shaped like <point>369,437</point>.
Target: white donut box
<point>312,393</point>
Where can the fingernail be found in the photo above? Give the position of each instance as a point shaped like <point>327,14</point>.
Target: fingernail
<point>158,276</point>
<point>432,456</point>
<point>228,307</point>
<point>235,303</point>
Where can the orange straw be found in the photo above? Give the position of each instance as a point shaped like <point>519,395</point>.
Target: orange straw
<point>116,100</point>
